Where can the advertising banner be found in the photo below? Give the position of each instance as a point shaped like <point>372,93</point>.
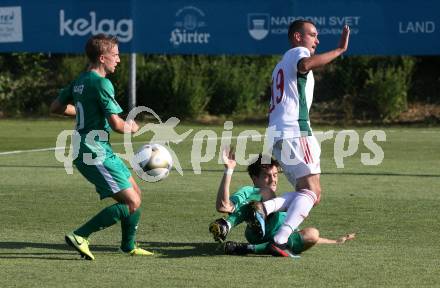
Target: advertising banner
<point>378,27</point>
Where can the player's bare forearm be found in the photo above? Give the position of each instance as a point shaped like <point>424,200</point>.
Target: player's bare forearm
<point>120,126</point>
<point>319,60</point>
<point>57,108</point>
<point>223,205</point>
<point>340,240</point>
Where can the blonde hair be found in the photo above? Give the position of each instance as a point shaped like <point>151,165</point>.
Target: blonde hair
<point>98,45</point>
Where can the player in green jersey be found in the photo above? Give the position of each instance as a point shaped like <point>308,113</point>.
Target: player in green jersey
<point>265,180</point>
<point>91,98</point>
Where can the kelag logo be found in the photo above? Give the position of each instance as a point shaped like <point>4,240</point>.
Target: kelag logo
<point>189,21</point>
<point>123,28</point>
<point>10,24</point>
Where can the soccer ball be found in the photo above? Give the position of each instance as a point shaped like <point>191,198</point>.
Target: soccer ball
<point>152,162</point>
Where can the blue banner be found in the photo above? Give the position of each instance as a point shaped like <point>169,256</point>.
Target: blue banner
<point>378,27</point>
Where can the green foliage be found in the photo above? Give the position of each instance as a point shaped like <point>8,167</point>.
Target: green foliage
<point>69,67</point>
<point>173,85</point>
<point>387,88</point>
<point>425,84</point>
<point>190,91</point>
<point>25,84</point>
<point>240,84</point>
<point>188,86</point>
<point>368,87</point>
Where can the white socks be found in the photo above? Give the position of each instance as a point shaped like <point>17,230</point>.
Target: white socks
<point>281,203</point>
<point>276,204</point>
<point>300,204</point>
<point>283,234</point>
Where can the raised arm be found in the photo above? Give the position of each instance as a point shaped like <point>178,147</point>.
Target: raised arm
<point>223,204</point>
<point>318,60</point>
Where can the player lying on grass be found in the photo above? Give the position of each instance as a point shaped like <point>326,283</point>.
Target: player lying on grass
<point>96,110</point>
<point>265,180</point>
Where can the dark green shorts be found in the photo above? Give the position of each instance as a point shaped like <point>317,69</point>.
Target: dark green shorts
<point>273,224</point>
<point>296,243</point>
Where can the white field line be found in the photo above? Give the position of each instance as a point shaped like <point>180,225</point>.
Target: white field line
<point>46,149</point>
<point>121,143</point>
<point>30,150</point>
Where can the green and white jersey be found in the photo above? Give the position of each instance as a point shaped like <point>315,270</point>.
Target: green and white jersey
<point>94,100</point>
<point>244,195</point>
<point>292,96</point>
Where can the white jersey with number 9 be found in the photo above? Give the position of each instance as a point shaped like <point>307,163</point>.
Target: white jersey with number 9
<point>292,96</point>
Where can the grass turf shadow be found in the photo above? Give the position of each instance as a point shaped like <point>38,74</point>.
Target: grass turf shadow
<point>183,249</point>
<point>17,250</point>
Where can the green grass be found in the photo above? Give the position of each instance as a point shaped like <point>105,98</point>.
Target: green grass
<point>394,208</point>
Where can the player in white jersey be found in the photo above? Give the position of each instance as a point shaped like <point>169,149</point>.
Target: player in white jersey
<point>295,147</point>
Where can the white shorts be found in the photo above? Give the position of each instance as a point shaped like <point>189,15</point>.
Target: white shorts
<point>298,157</point>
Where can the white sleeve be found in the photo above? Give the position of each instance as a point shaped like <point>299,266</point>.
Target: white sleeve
<point>297,54</point>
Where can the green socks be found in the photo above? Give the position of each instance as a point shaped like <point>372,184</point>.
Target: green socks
<point>106,218</point>
<point>110,216</point>
<point>129,226</point>
<point>261,248</point>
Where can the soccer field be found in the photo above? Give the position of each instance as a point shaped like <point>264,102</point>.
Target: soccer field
<point>393,207</point>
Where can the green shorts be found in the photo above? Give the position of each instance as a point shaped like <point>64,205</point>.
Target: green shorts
<point>273,224</point>
<point>296,242</point>
<point>109,177</point>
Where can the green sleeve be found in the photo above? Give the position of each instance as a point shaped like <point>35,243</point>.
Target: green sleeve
<point>65,95</point>
<point>242,195</point>
<point>106,98</point>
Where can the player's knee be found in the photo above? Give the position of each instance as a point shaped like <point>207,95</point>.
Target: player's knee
<point>311,235</point>
<point>317,190</point>
<point>134,204</point>
<point>137,189</point>
<point>318,198</point>
<point>135,186</point>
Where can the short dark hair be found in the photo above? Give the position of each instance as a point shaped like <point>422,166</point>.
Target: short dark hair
<point>297,26</point>
<point>98,45</point>
<point>257,166</point>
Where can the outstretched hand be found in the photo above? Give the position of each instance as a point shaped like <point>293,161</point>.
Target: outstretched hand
<point>345,238</point>
<point>228,156</point>
<point>343,42</point>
